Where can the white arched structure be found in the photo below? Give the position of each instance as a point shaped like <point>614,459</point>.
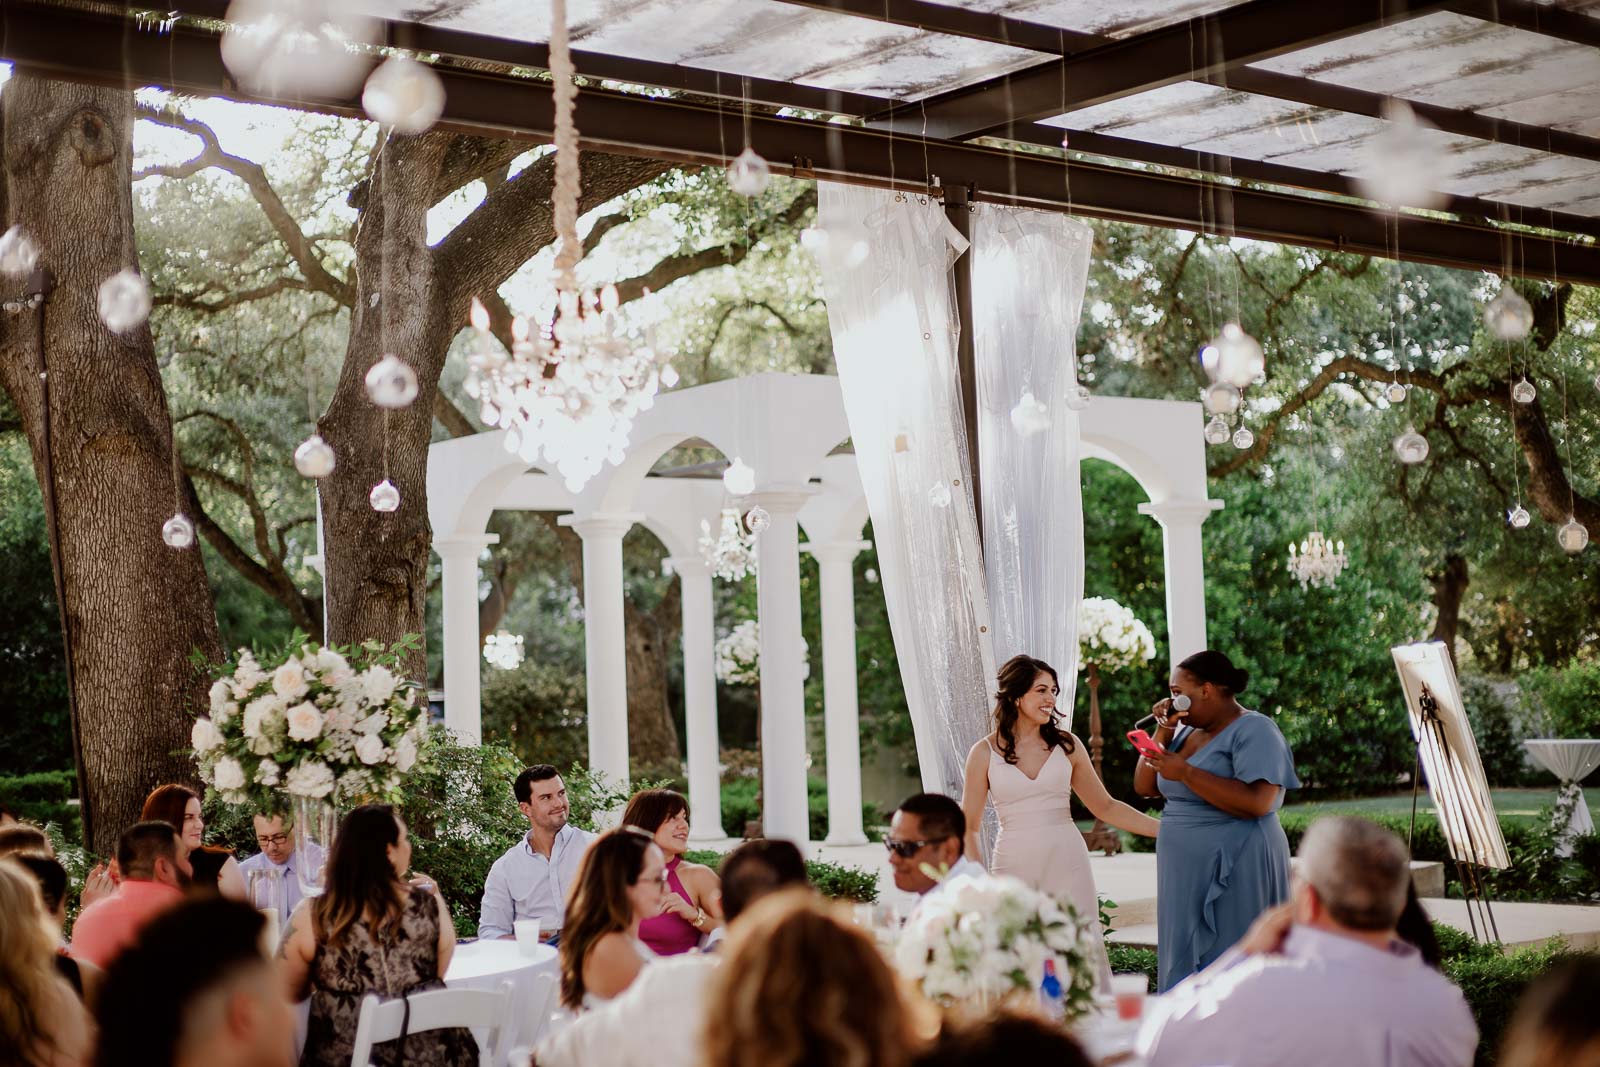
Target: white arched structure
<point>785,427</point>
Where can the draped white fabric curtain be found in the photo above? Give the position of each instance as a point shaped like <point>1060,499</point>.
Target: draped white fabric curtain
<point>1029,270</point>
<point>886,275</point>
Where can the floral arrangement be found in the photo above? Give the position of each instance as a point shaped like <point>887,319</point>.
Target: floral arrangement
<point>312,721</point>
<point>986,938</point>
<point>1110,637</point>
<point>738,655</point>
<point>503,650</point>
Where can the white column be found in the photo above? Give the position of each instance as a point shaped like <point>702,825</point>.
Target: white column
<point>1185,571</point>
<point>458,587</point>
<point>605,642</point>
<point>700,699</point>
<point>783,720</point>
<point>835,560</point>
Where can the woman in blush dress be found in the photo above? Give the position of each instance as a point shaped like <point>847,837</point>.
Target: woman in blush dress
<point>1029,768</point>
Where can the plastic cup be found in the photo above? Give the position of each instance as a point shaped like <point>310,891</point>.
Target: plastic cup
<point>1128,990</point>
<point>527,931</point>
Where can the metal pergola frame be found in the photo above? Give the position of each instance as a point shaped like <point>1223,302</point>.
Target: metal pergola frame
<point>494,87</point>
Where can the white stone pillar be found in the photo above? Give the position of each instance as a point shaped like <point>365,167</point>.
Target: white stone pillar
<point>700,699</point>
<point>835,560</point>
<point>1185,571</point>
<point>458,588</point>
<point>783,718</point>
<point>605,642</point>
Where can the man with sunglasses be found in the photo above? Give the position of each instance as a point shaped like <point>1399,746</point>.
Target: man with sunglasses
<point>275,835</point>
<point>926,842</point>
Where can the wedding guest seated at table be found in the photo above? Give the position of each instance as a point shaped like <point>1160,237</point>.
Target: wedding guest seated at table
<point>691,910</point>
<point>1325,981</point>
<point>928,831</point>
<point>155,873</point>
<point>42,1022</point>
<point>214,867</point>
<point>370,932</point>
<point>670,995</point>
<point>535,876</point>
<point>195,990</point>
<point>1555,1022</point>
<point>275,836</point>
<point>1005,1038</point>
<point>621,882</point>
<point>84,978</point>
<point>800,987</point>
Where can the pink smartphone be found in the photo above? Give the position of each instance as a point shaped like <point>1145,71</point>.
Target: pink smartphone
<point>1145,743</point>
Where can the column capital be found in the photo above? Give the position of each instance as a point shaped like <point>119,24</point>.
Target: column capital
<point>835,550</point>
<point>600,525</point>
<point>1180,510</point>
<point>685,566</point>
<point>780,499</point>
<point>464,545</point>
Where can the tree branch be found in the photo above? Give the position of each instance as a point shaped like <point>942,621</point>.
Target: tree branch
<point>452,418</point>
<point>228,299</point>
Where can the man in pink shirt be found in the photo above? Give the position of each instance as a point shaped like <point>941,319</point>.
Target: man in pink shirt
<point>155,872</point>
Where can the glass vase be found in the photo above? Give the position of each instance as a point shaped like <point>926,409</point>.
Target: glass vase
<point>315,822</point>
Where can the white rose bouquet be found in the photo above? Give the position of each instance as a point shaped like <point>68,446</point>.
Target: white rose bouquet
<point>317,722</point>
<point>1110,637</point>
<point>737,656</point>
<point>986,937</point>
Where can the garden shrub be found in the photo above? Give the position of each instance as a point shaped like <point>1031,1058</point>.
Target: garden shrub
<point>833,880</point>
<point>739,807</point>
<point>1565,699</point>
<point>539,712</point>
<point>1127,959</point>
<point>42,797</point>
<point>1497,726</point>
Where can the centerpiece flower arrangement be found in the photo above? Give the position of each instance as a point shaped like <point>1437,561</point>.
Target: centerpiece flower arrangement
<point>1111,637</point>
<point>986,938</point>
<point>337,725</point>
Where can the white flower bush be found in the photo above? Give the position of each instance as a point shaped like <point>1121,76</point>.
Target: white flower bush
<point>985,937</point>
<point>1110,637</point>
<point>738,655</point>
<point>318,723</point>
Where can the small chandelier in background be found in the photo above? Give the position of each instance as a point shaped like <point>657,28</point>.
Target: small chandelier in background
<point>503,650</point>
<point>731,554</point>
<point>1318,562</point>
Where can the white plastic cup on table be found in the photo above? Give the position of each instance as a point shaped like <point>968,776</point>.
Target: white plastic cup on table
<point>527,931</point>
<point>1128,990</point>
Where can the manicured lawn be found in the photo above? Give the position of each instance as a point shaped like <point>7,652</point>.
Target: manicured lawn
<point>1510,804</point>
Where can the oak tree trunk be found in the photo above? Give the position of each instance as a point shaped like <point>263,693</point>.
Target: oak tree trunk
<point>1449,588</point>
<point>134,609</point>
<point>652,735</point>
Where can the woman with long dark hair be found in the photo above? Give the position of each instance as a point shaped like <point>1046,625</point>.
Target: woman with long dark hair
<point>621,883</point>
<point>370,932</point>
<point>1222,858</point>
<point>692,907</point>
<point>1029,768</point>
<point>214,867</point>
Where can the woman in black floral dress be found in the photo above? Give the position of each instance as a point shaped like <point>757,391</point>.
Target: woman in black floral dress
<point>370,933</point>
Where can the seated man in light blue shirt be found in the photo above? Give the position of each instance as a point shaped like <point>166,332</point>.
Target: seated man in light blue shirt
<point>275,835</point>
<point>1324,981</point>
<point>531,880</point>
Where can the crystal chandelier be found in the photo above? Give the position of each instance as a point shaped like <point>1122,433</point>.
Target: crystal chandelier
<point>1318,561</point>
<point>732,553</point>
<point>571,392</point>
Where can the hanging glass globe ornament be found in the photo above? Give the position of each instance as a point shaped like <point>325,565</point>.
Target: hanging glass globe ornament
<point>404,95</point>
<point>391,383</point>
<point>1077,397</point>
<point>124,301</point>
<point>1518,517</point>
<point>1240,360</point>
<point>1217,430</point>
<point>757,519</point>
<point>17,254</point>
<point>384,496</point>
<point>1572,536</point>
<point>1222,398</point>
<point>1508,316</point>
<point>749,174</point>
<point>1395,393</point>
<point>314,457</point>
<point>739,479</point>
<point>939,495</point>
<point>1243,438</point>
<point>178,531</point>
<point>1524,392</point>
<point>298,48</point>
<point>1030,416</point>
<point>1411,447</point>
<point>1402,165</point>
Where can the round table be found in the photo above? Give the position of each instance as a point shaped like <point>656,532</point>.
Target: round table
<point>1571,760</point>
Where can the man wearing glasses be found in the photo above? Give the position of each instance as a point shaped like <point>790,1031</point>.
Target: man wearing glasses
<point>275,835</point>
<point>926,842</point>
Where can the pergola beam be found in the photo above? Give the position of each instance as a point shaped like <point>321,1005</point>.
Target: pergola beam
<point>1551,20</point>
<point>1200,48</point>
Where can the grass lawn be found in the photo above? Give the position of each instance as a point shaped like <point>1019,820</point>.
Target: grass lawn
<point>1511,804</point>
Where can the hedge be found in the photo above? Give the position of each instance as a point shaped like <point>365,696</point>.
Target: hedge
<point>833,880</point>
<point>42,797</point>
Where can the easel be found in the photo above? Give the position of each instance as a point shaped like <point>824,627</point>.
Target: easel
<point>1100,836</point>
<point>1432,738</point>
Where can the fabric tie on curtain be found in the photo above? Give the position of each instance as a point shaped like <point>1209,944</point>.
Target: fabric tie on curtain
<point>886,276</point>
<point>1029,270</point>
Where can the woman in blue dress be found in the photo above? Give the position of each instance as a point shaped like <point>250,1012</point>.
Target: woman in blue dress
<point>1222,857</point>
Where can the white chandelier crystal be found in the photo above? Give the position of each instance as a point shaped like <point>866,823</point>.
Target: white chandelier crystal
<point>503,650</point>
<point>571,396</point>
<point>1317,561</point>
<point>731,554</point>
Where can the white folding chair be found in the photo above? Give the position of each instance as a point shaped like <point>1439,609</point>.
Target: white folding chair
<point>437,1009</point>
<point>534,1012</point>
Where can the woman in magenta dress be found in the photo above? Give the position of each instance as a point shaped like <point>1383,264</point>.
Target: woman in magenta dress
<point>693,906</point>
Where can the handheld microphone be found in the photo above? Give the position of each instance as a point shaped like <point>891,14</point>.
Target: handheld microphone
<point>1179,703</point>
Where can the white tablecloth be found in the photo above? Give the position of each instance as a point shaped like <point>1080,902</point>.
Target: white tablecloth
<point>1571,760</point>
